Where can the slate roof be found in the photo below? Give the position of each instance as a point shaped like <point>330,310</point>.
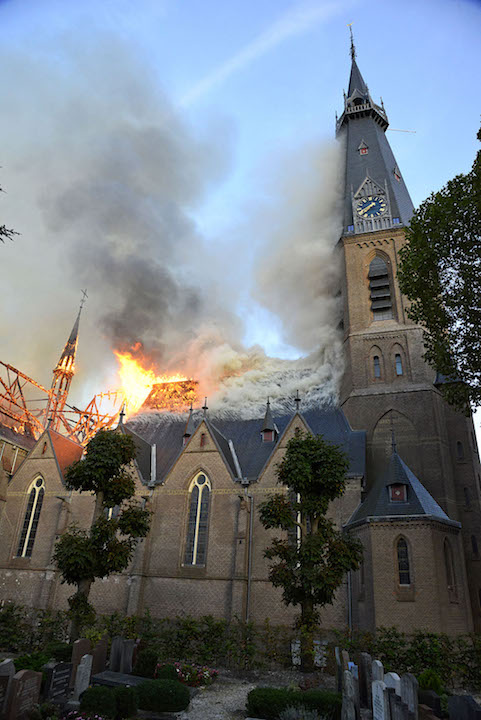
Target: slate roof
<point>252,454</point>
<point>20,439</point>
<point>379,163</point>
<point>419,502</point>
<point>144,453</point>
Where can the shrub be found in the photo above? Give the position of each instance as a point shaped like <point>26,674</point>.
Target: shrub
<point>146,663</point>
<point>299,713</point>
<point>268,703</point>
<point>13,628</point>
<point>430,680</point>
<point>99,700</point>
<point>31,661</point>
<point>60,651</point>
<point>166,672</point>
<point>125,702</point>
<point>162,696</point>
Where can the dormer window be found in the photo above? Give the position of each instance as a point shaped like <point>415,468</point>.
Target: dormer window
<point>363,148</point>
<point>267,435</point>
<point>398,493</point>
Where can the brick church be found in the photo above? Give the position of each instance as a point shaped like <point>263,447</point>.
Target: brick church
<point>413,494</point>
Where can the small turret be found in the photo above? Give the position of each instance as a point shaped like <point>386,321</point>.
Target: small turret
<point>189,426</point>
<point>269,430</point>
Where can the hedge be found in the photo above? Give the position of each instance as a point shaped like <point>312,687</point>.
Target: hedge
<point>268,703</point>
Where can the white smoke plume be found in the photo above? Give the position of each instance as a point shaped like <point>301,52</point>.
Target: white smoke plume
<point>103,178</point>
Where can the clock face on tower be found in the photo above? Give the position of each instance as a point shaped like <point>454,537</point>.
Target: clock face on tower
<point>371,206</point>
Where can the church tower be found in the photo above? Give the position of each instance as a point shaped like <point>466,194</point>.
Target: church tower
<point>386,384</point>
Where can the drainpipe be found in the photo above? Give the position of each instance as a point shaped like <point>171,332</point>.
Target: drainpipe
<point>153,465</point>
<point>14,461</point>
<point>349,601</point>
<point>249,562</point>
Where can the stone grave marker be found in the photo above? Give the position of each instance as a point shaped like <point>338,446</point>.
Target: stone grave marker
<point>399,711</point>
<point>116,653</point>
<point>409,692</point>
<point>24,694</point>
<point>99,655</point>
<point>349,697</point>
<point>365,679</point>
<point>126,656</point>
<point>337,654</point>
<point>380,701</point>
<point>431,699</point>
<point>82,678</point>
<point>320,653</point>
<point>296,652</point>
<point>80,648</point>
<point>377,670</point>
<point>463,707</point>
<point>57,685</point>
<point>393,681</point>
<point>7,671</point>
<point>345,660</point>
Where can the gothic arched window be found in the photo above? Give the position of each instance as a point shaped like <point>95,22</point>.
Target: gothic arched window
<point>399,364</point>
<point>380,289</point>
<point>377,366</point>
<point>36,493</point>
<point>403,562</point>
<point>196,542</point>
<point>449,565</point>
<point>460,450</point>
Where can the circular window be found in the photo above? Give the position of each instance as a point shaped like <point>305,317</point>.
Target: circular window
<point>201,480</point>
<point>39,482</point>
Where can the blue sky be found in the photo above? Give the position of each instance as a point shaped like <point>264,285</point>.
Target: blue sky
<point>266,78</point>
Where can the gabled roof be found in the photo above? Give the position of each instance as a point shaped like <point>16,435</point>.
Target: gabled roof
<point>418,503</point>
<point>167,432</point>
<point>66,451</point>
<point>143,460</point>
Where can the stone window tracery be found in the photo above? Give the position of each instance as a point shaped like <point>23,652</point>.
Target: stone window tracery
<point>36,494</point>
<point>403,562</point>
<point>197,523</point>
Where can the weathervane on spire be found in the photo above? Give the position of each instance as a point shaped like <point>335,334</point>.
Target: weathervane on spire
<point>353,48</point>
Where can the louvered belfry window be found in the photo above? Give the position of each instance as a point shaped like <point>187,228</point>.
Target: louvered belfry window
<point>380,290</point>
<point>32,516</point>
<point>197,524</point>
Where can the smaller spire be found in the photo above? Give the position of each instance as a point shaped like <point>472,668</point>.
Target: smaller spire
<point>121,416</point>
<point>205,407</point>
<point>189,426</point>
<point>297,400</point>
<point>268,420</point>
<point>353,47</point>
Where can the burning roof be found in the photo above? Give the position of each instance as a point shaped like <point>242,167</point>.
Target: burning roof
<point>175,396</point>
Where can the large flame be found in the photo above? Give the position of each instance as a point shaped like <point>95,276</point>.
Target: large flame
<point>138,380</point>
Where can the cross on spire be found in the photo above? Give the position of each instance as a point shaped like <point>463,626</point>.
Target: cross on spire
<point>84,297</point>
<point>297,400</point>
<point>353,47</point>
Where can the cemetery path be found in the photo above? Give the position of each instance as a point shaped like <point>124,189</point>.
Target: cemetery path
<point>226,698</point>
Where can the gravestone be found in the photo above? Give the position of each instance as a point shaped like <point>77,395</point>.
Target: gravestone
<point>320,653</point>
<point>365,679</point>
<point>399,711</point>
<point>393,681</point>
<point>116,653</point>
<point>80,648</point>
<point>409,692</point>
<point>126,656</point>
<point>99,655</point>
<point>349,697</point>
<point>296,652</point>
<point>431,699</point>
<point>380,701</point>
<point>345,660</point>
<point>24,694</point>
<point>377,670</point>
<point>7,671</point>
<point>337,654</point>
<point>57,685</point>
<point>463,707</point>
<point>82,678</point>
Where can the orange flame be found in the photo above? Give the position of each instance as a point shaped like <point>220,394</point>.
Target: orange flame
<point>138,381</point>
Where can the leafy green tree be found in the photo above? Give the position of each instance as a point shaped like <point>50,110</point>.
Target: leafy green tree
<point>108,545</point>
<point>440,272</point>
<point>312,560</point>
<point>5,232</point>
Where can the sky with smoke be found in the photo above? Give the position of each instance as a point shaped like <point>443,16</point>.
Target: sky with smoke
<point>201,212</point>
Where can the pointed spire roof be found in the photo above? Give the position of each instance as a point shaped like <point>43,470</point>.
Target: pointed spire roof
<point>66,362</point>
<point>356,81</point>
<point>190,425</point>
<point>268,423</point>
<point>419,502</point>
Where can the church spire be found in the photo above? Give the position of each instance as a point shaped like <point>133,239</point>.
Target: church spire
<point>375,195</point>
<point>63,373</point>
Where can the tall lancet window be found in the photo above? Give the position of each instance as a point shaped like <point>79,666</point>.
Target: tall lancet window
<point>36,493</point>
<point>380,290</point>
<point>403,562</point>
<point>196,542</point>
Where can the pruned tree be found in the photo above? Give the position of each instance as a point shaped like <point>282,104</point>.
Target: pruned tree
<point>440,272</point>
<point>107,546</point>
<point>313,557</point>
